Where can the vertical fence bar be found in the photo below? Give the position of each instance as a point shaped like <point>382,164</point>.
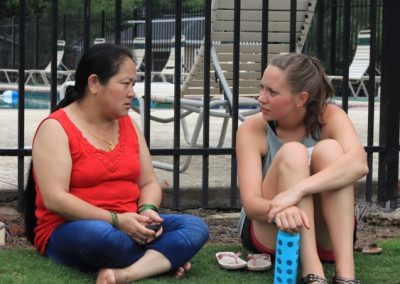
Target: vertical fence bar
<point>390,106</point>
<point>118,21</point>
<point>293,11</point>
<point>86,25</point>
<point>37,42</point>
<point>346,54</point>
<point>147,71</point>
<point>177,94</point>
<point>321,30</point>
<point>371,98</point>
<point>21,101</point>
<point>206,117</point>
<point>235,99</point>
<point>103,24</point>
<point>333,25</point>
<point>64,27</point>
<point>13,42</point>
<point>54,37</point>
<point>264,46</point>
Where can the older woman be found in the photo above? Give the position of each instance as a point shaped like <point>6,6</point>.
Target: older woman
<point>97,195</point>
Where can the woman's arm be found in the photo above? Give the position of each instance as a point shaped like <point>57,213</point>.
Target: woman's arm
<point>345,170</point>
<point>250,147</point>
<point>349,167</point>
<point>52,164</point>
<point>148,183</point>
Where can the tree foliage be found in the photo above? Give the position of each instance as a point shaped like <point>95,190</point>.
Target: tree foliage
<point>10,8</point>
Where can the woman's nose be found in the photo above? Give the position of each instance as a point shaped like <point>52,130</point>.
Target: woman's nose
<point>262,97</point>
<point>132,93</point>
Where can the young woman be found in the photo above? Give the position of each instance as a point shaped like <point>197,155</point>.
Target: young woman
<point>97,195</point>
<point>297,162</point>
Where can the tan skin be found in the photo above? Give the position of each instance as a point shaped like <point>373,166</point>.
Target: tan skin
<point>292,190</point>
<point>99,111</point>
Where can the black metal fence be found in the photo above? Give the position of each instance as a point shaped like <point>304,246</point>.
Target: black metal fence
<point>331,39</point>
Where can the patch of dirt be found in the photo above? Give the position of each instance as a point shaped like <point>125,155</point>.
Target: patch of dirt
<point>374,224</point>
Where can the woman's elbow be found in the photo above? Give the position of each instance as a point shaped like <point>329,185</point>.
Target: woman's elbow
<point>53,203</point>
<point>363,168</point>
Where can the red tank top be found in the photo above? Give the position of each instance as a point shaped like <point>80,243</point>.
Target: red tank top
<point>105,179</point>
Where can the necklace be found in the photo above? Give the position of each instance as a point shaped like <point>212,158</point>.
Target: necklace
<point>109,144</point>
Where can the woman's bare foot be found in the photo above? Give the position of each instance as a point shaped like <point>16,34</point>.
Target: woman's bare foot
<point>106,276</point>
<point>181,271</point>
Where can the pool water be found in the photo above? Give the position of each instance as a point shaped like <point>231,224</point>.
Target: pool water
<point>32,101</point>
<point>42,101</point>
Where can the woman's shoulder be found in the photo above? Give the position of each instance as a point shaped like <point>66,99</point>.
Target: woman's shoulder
<point>254,127</point>
<point>334,119</point>
<point>254,123</point>
<point>332,111</point>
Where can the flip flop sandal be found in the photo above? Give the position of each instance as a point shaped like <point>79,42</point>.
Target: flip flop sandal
<point>342,280</point>
<point>372,248</point>
<point>257,262</point>
<point>312,278</point>
<point>230,260</point>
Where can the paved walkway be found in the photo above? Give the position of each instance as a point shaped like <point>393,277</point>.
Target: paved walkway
<point>161,137</point>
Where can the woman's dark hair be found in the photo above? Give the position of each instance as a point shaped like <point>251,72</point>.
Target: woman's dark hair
<point>305,73</point>
<point>104,60</point>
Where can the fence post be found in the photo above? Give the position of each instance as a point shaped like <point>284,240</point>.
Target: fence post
<point>21,101</point>
<point>390,107</point>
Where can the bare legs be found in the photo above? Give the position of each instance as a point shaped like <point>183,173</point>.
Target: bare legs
<point>339,221</point>
<point>152,263</point>
<point>334,230</point>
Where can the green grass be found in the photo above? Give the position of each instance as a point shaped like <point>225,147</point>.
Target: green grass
<point>27,266</point>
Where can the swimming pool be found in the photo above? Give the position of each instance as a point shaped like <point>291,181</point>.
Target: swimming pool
<point>32,100</point>
<point>42,101</point>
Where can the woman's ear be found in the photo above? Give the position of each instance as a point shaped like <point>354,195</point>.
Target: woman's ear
<point>93,83</point>
<point>302,98</point>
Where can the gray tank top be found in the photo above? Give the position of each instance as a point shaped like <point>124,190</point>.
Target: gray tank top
<point>274,144</point>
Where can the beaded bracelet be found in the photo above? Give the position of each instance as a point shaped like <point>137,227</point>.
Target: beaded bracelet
<point>144,207</point>
<point>114,218</point>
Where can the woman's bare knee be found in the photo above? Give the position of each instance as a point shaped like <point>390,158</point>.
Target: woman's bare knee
<point>325,152</point>
<point>293,156</point>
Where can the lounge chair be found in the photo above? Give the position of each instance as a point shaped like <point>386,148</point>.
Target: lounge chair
<point>138,52</point>
<point>99,40</point>
<point>38,80</point>
<point>359,66</point>
<point>221,81</point>
<point>60,55</point>
<point>168,72</point>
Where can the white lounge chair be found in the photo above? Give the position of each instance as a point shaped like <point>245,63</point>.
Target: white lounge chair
<point>139,52</point>
<point>359,66</point>
<point>221,79</point>
<point>99,40</point>
<point>60,55</point>
<point>168,72</point>
<point>38,80</point>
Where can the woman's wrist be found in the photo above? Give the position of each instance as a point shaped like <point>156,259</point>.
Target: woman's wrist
<point>146,206</point>
<point>114,220</point>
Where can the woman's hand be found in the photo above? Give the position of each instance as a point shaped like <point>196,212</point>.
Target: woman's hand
<point>155,219</point>
<point>135,226</point>
<point>282,201</point>
<point>292,219</point>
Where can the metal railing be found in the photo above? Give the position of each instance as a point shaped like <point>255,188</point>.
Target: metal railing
<point>388,148</point>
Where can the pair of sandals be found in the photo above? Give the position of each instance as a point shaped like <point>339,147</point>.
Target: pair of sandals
<point>312,278</point>
<point>256,262</point>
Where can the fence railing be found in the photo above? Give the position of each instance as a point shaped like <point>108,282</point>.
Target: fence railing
<point>388,148</point>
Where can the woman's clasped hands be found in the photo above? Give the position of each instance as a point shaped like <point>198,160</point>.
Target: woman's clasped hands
<point>285,213</point>
<point>134,225</point>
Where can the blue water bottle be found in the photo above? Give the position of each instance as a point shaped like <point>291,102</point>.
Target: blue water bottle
<point>286,258</point>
